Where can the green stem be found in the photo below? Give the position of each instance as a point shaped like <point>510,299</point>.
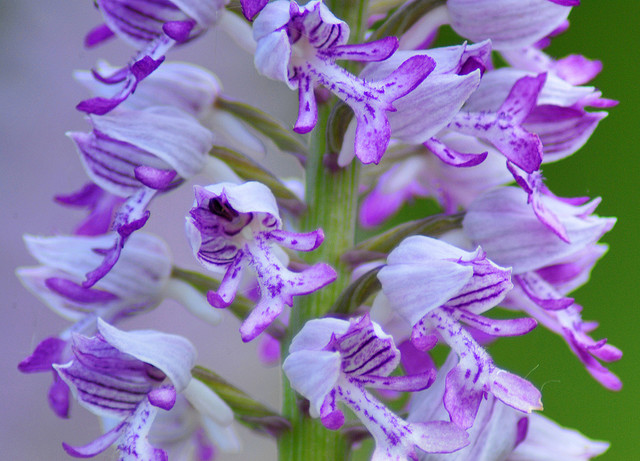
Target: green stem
<point>332,200</point>
<point>331,196</point>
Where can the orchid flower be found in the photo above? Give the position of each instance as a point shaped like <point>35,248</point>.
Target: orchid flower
<point>135,155</point>
<point>129,376</point>
<point>299,46</point>
<point>435,286</point>
<point>333,361</point>
<point>139,281</point>
<point>231,227</point>
<point>420,115</point>
<point>153,28</point>
<point>546,268</point>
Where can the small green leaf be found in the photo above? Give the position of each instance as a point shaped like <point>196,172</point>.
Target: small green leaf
<point>248,411</point>
<point>272,128</point>
<point>241,306</point>
<point>404,17</point>
<point>379,246</point>
<point>250,170</point>
<point>357,293</point>
<point>339,119</point>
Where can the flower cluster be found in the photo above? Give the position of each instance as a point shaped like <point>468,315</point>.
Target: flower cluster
<point>440,122</point>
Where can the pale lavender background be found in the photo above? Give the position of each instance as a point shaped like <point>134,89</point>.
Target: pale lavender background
<point>41,45</point>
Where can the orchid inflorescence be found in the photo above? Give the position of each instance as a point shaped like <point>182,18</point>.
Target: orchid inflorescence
<point>355,322</point>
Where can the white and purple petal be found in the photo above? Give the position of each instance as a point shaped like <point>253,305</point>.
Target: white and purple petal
<point>507,23</point>
<point>498,219</point>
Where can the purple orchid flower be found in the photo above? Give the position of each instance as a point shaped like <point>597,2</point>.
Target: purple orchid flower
<point>299,46</point>
<point>546,269</point>
<point>435,286</point>
<point>135,155</point>
<point>128,376</point>
<point>523,126</point>
<point>333,361</point>
<point>500,432</point>
<point>139,281</point>
<point>434,102</point>
<point>233,226</point>
<point>558,117</point>
<point>153,27</point>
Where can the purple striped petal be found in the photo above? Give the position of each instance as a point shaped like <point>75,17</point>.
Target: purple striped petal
<point>121,142</point>
<point>105,380</point>
<point>174,355</point>
<point>542,293</point>
<point>486,288</point>
<point>423,274</point>
<point>178,139</point>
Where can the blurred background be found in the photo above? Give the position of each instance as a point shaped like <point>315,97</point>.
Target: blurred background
<point>42,45</point>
